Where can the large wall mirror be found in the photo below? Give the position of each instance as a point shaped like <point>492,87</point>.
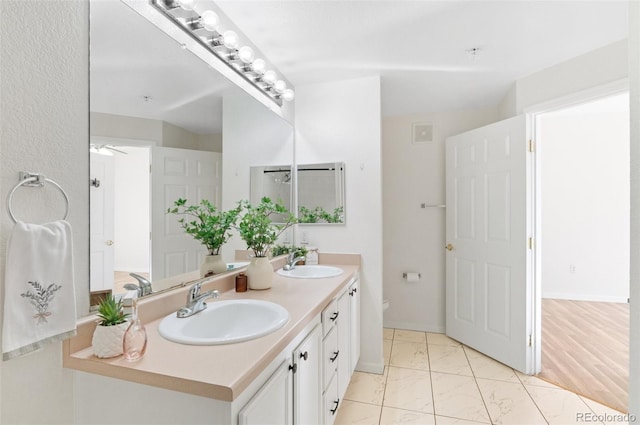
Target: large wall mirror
<point>163,125</point>
<point>321,193</point>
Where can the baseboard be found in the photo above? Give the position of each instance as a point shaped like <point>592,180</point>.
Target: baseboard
<point>440,329</point>
<point>583,297</point>
<point>377,368</point>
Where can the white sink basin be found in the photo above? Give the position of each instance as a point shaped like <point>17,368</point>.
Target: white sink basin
<point>225,322</point>
<point>312,272</point>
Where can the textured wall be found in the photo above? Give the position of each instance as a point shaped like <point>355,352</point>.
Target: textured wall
<point>44,128</point>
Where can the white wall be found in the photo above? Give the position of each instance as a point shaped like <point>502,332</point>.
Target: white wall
<point>252,135</point>
<point>131,210</point>
<point>584,154</point>
<point>44,93</point>
<point>414,238</point>
<point>634,80</point>
<point>596,68</point>
<point>340,121</point>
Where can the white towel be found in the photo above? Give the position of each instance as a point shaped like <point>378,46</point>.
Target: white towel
<point>39,296</point>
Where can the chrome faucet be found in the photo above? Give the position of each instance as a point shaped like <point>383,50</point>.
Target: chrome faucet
<point>143,287</point>
<point>195,301</point>
<point>292,260</point>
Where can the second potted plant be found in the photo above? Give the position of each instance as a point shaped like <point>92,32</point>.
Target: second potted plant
<point>260,233</point>
<point>209,226</point>
<point>108,335</point>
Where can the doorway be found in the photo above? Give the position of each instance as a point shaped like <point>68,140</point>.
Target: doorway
<point>120,222</point>
<point>582,203</point>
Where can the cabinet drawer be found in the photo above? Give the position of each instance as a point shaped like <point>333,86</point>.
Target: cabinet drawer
<point>330,356</point>
<point>329,316</point>
<point>330,403</point>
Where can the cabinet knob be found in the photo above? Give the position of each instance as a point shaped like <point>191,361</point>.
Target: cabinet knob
<point>304,355</point>
<point>353,291</point>
<point>334,316</point>
<point>293,367</point>
<point>335,356</point>
<point>335,409</point>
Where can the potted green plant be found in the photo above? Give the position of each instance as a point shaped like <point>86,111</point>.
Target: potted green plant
<point>209,226</point>
<point>259,232</point>
<point>112,324</point>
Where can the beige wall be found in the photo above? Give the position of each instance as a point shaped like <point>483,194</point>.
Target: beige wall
<point>160,132</point>
<point>414,237</point>
<point>44,93</point>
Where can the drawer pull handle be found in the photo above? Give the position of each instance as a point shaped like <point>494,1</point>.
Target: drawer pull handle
<point>335,409</point>
<point>304,355</point>
<point>334,316</point>
<point>335,356</point>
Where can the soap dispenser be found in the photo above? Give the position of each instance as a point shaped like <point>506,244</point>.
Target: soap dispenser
<point>135,338</point>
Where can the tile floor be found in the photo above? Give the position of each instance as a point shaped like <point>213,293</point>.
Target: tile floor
<point>430,379</point>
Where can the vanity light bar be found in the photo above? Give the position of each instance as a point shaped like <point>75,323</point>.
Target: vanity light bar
<point>204,28</point>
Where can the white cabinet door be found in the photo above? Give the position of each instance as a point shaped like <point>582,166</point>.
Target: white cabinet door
<point>272,404</point>
<point>307,379</point>
<point>342,355</point>
<point>354,313</point>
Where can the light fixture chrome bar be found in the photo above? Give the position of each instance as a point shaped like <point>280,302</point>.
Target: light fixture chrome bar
<point>215,45</point>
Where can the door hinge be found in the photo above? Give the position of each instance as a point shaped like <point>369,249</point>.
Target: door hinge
<point>530,243</point>
<point>532,145</point>
<point>530,340</point>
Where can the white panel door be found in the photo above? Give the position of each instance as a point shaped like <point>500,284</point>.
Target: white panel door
<point>488,287</point>
<point>101,223</point>
<point>179,173</point>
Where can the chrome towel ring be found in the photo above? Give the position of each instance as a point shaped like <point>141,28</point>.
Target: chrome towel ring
<point>35,180</point>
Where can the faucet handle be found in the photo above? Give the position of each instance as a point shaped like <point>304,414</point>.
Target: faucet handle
<point>194,291</point>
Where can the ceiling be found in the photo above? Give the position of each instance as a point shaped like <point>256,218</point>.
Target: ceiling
<point>420,48</point>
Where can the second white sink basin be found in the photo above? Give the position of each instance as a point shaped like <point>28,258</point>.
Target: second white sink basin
<point>312,272</point>
<point>225,322</point>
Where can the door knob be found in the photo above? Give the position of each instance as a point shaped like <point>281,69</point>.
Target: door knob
<point>109,242</point>
<point>449,247</point>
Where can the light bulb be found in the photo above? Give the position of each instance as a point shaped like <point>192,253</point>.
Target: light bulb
<point>288,95</point>
<point>245,54</point>
<point>186,4</point>
<point>230,39</point>
<point>269,77</point>
<point>210,20</point>
<point>259,66</point>
<point>280,86</point>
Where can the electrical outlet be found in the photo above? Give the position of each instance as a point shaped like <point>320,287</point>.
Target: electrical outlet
<point>572,268</point>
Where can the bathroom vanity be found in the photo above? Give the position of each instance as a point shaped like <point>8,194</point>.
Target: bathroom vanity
<point>295,375</point>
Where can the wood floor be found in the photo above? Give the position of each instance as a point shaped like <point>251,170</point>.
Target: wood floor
<point>585,348</point>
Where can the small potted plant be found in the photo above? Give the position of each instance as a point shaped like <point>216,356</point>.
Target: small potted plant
<point>209,226</point>
<point>108,335</point>
<point>260,233</point>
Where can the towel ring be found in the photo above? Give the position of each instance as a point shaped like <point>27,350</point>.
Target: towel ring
<point>35,180</point>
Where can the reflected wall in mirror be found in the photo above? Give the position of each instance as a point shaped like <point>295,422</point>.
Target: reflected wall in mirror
<point>156,126</point>
<point>274,182</point>
<point>321,193</point>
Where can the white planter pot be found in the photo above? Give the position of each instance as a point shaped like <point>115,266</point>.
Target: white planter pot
<point>259,273</point>
<point>212,264</point>
<point>107,340</point>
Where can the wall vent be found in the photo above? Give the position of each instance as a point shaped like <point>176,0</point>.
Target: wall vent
<point>422,133</point>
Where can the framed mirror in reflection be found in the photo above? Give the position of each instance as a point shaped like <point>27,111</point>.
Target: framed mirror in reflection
<point>274,182</point>
<point>156,135</point>
<point>321,193</point>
